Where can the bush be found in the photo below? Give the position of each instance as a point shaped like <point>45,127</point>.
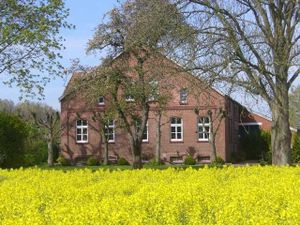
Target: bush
<point>153,162</point>
<point>29,160</point>
<point>63,161</point>
<point>238,156</point>
<point>189,160</point>
<point>92,161</point>
<point>13,134</point>
<point>296,149</point>
<point>122,162</point>
<point>219,162</point>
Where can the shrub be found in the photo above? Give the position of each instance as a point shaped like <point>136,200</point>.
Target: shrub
<point>29,160</point>
<point>63,161</point>
<point>296,149</point>
<point>189,160</point>
<point>219,162</point>
<point>13,134</point>
<point>153,162</point>
<point>92,161</point>
<point>122,162</point>
<point>238,156</point>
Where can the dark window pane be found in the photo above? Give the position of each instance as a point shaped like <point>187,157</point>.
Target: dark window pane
<point>178,135</point>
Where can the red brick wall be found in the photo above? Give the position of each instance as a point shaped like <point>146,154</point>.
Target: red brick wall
<point>200,98</point>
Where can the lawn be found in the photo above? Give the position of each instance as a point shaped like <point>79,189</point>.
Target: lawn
<point>229,195</point>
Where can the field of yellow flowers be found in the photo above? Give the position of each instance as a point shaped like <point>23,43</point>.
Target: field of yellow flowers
<point>244,195</point>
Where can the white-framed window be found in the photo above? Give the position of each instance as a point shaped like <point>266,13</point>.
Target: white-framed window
<point>146,133</point>
<point>81,131</point>
<point>110,131</point>
<point>129,98</point>
<point>101,100</point>
<point>183,96</point>
<point>176,129</point>
<point>154,92</point>
<point>203,128</point>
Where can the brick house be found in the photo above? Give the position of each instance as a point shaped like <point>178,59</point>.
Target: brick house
<point>182,127</point>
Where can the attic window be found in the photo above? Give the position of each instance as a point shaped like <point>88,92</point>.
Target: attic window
<point>183,96</point>
<point>101,100</point>
<point>129,98</point>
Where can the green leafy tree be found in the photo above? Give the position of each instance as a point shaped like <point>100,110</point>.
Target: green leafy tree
<point>30,42</point>
<point>137,30</point>
<point>296,149</point>
<point>13,134</point>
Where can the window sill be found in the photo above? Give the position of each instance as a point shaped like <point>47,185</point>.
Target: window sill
<point>203,141</point>
<point>176,141</point>
<point>81,142</point>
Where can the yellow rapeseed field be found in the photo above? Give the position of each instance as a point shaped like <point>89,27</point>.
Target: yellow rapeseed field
<point>244,195</point>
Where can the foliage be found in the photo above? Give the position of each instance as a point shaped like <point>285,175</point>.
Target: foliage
<point>154,163</point>
<point>189,160</point>
<point>13,134</point>
<point>92,161</point>
<point>30,41</point>
<point>171,196</point>
<point>122,162</point>
<point>256,145</point>
<point>63,161</point>
<point>296,149</point>
<point>238,156</point>
<point>219,161</point>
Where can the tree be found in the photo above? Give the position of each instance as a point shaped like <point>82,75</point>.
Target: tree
<point>13,134</point>
<point>49,121</point>
<point>137,30</point>
<point>30,41</point>
<point>253,45</point>
<point>295,107</point>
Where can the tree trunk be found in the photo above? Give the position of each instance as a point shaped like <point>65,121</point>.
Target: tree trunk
<point>105,147</point>
<point>50,153</point>
<point>212,141</point>
<point>137,156</point>
<point>158,138</point>
<point>281,135</point>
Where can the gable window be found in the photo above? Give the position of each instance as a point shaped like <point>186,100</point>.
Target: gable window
<point>176,129</point>
<point>153,90</point>
<point>129,98</point>
<point>110,131</point>
<point>203,128</point>
<point>81,131</point>
<point>101,100</point>
<point>183,96</point>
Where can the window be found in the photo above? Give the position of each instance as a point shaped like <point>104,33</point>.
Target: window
<point>183,96</point>
<point>153,90</point>
<point>176,129</point>
<point>203,128</point>
<point>101,100</point>
<point>110,131</point>
<point>145,133</point>
<point>81,131</point>
<point>129,98</point>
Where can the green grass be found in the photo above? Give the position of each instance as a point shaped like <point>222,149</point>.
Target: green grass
<point>114,167</point>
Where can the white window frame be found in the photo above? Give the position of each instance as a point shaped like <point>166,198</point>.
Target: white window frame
<point>203,125</point>
<point>129,98</point>
<point>113,127</point>
<point>81,127</point>
<point>176,125</point>
<point>103,102</point>
<point>147,132</point>
<point>181,94</point>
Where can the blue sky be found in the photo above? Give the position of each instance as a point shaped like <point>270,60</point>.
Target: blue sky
<point>85,15</point>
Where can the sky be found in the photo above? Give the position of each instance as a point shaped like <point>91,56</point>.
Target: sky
<point>85,15</point>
